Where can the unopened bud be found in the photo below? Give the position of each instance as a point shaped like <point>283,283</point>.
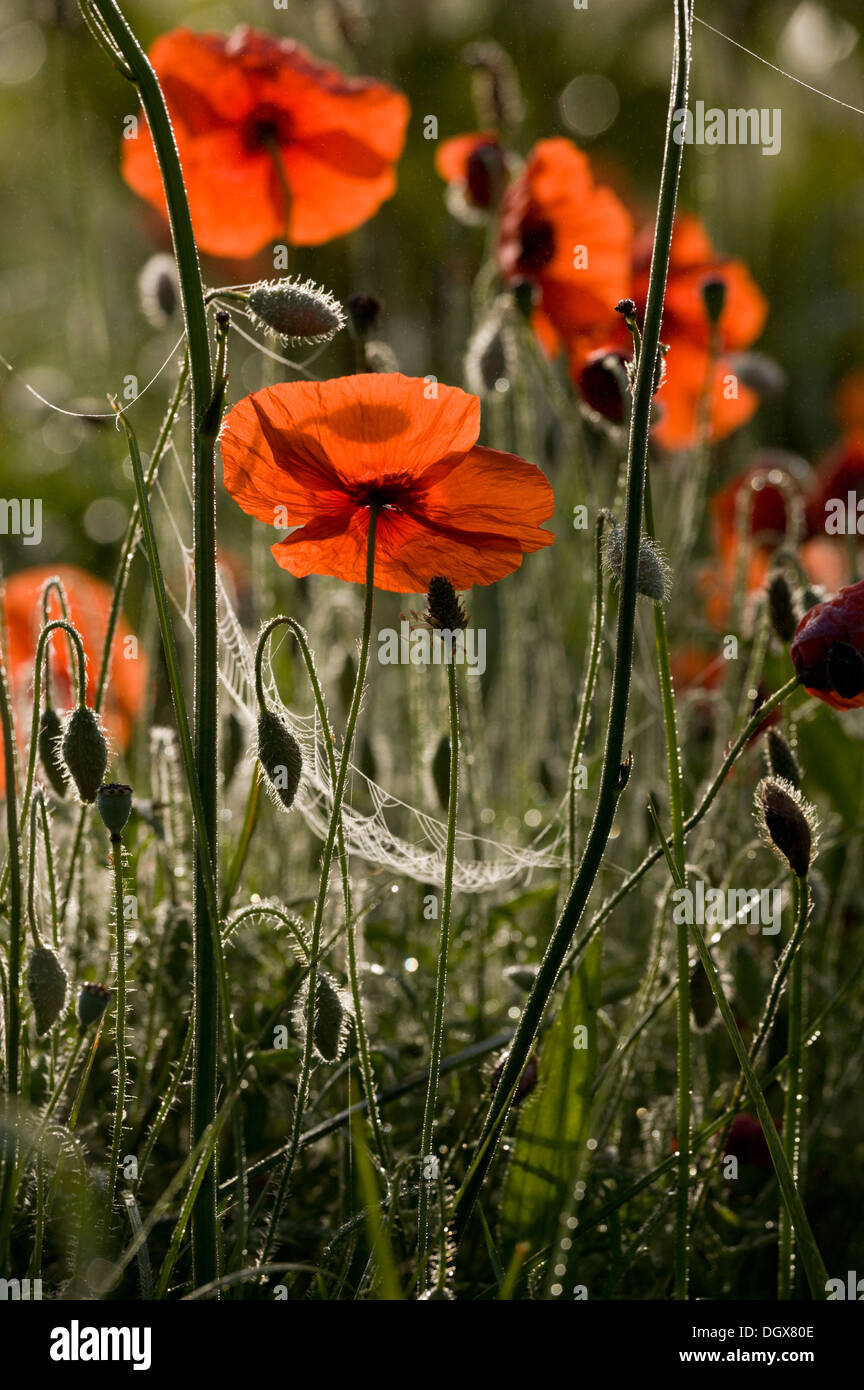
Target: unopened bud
<point>50,737</point>
<point>714,297</point>
<point>299,312</point>
<point>781,759</point>
<point>787,821</point>
<point>781,607</point>
<point>279,755</point>
<point>46,985</point>
<point>85,752</point>
<point>92,1003</point>
<point>654,574</point>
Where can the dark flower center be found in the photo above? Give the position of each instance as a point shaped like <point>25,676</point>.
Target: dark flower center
<point>265,127</point>
<point>387,494</point>
<point>538,246</point>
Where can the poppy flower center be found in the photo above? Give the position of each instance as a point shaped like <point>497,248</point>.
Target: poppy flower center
<point>387,494</point>
<point>265,127</point>
<point>538,245</point>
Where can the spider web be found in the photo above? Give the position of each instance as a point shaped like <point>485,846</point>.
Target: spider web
<point>481,863</point>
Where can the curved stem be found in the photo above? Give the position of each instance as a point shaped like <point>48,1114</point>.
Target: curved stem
<point>426,1180</point>
<point>612,780</point>
<point>326,860</point>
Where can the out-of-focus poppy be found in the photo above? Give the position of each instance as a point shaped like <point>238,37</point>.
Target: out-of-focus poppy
<point>849,400</point>
<point>686,328</point>
<point>746,1141</point>
<point>272,142</point>
<point>840,472</point>
<point>318,455</point>
<point>828,649</point>
<point>476,168</point>
<point>569,237</point>
<point>697,668</point>
<point>89,603</point>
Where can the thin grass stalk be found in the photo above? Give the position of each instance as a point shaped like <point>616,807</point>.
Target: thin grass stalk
<point>428,1131</point>
<point>611,781</point>
<point>587,696</point>
<point>793,1110</point>
<point>119,1033</point>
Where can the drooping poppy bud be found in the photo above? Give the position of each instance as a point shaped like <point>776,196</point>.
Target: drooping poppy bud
<point>279,755</point>
<point>787,822</point>
<point>50,736</point>
<point>828,649</point>
<point>46,985</point>
<point>85,752</point>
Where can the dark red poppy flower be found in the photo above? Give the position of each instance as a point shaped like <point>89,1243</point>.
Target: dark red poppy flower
<point>273,143</point>
<point>476,168</point>
<point>828,649</point>
<point>318,455</point>
<point>572,239</point>
<point>89,602</point>
<point>687,329</point>
<point>840,472</point>
<point>746,1141</point>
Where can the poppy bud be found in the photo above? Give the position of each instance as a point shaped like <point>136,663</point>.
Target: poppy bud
<point>46,985</point>
<point>781,607</point>
<point>444,608</point>
<point>523,976</point>
<point>527,1081</point>
<point>363,313</point>
<point>50,735</point>
<point>782,762</point>
<point>626,308</point>
<point>489,357</point>
<point>653,574</point>
<point>441,771</point>
<point>301,313</point>
<point>92,1003</point>
<point>702,1002</point>
<point>114,804</point>
<point>714,297</point>
<point>279,755</point>
<point>85,752</point>
<point>329,1020</point>
<point>787,822</point>
<point>600,383</point>
<point>159,289</point>
<point>496,93</point>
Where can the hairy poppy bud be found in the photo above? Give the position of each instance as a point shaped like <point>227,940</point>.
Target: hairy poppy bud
<point>828,649</point>
<point>787,822</point>
<point>714,297</point>
<point>781,607</point>
<point>92,1003</point>
<point>50,735</point>
<point>46,985</point>
<point>159,289</point>
<point>301,313</point>
<point>85,752</point>
<point>279,755</point>
<point>330,1029</point>
<point>654,573</point>
<point>364,311</point>
<point>441,771</point>
<point>114,804</point>
<point>781,759</point>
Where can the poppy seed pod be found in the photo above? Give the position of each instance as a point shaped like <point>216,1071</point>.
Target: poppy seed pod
<point>46,985</point>
<point>279,755</point>
<point>114,804</point>
<point>299,312</point>
<point>92,1003</point>
<point>50,736</point>
<point>787,822</point>
<point>85,752</point>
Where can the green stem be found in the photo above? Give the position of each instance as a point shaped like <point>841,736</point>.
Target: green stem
<point>794,1104</point>
<point>611,781</point>
<point>587,689</point>
<point>321,900</point>
<point>119,1034</point>
<point>206,927</point>
<point>13,998</point>
<point>441,976</point>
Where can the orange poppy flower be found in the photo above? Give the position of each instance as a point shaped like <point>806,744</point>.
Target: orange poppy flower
<point>317,455</point>
<point>572,239</point>
<point>89,603</point>
<point>840,472</point>
<point>687,330</point>
<point>272,142</point>
<point>476,169</point>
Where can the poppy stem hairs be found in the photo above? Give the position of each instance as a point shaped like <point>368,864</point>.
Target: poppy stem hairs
<point>205,983</point>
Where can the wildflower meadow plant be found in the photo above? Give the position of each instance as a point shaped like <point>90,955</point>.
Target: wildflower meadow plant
<point>523,962</point>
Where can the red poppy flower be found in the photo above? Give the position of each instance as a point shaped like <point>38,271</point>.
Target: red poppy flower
<point>89,602</point>
<point>572,239</point>
<point>317,455</point>
<point>828,649</point>
<point>272,142</point>
<point>840,472</point>
<point>476,168</point>
<point>687,330</point>
<point>746,1141</point>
